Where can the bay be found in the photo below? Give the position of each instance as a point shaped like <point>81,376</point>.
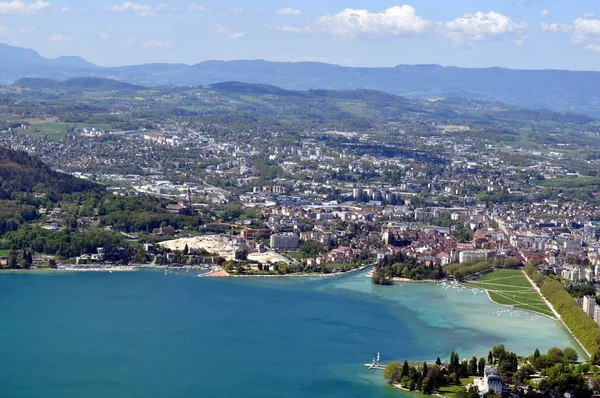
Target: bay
<point>146,334</point>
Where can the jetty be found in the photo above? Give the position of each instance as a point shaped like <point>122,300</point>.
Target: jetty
<point>376,364</point>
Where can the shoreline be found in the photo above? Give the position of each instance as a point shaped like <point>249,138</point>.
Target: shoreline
<point>214,272</point>
<point>558,317</point>
<point>302,275</point>
<point>408,280</point>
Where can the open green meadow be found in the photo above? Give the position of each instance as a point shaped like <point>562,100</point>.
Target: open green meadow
<point>510,287</point>
<point>452,390</point>
<point>4,252</point>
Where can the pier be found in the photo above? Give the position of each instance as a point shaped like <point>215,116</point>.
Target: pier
<point>375,364</point>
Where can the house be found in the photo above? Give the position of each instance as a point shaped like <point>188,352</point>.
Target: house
<point>492,381</point>
<point>165,231</point>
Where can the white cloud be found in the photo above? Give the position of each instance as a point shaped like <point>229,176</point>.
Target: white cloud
<point>197,8</point>
<point>593,47</point>
<point>395,21</point>
<point>545,13</point>
<point>138,9</point>
<point>61,38</point>
<point>289,29</point>
<point>404,20</point>
<point>556,27</point>
<point>235,10</point>
<point>19,7</point>
<point>288,11</point>
<point>70,9</point>
<point>104,35</point>
<point>227,32</point>
<point>482,26</point>
<point>25,30</point>
<point>586,32</point>
<point>2,30</point>
<point>157,43</point>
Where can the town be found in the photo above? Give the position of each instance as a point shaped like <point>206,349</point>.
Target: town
<point>440,200</point>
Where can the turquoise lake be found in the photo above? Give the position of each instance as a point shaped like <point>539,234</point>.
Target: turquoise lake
<point>146,334</point>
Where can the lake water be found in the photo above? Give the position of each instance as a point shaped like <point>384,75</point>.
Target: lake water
<point>146,334</point>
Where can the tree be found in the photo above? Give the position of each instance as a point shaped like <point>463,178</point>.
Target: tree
<point>426,386</point>
<point>438,361</point>
<point>472,368</point>
<point>405,369</point>
<point>425,370</point>
<point>393,372</point>
<point>498,353</point>
<point>186,249</point>
<point>471,392</point>
<point>555,355</point>
<point>570,355</point>
<point>436,377</point>
<point>481,366</point>
<point>490,358</point>
<point>405,382</point>
<point>536,355</point>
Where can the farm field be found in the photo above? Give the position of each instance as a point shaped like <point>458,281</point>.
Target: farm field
<point>510,287</point>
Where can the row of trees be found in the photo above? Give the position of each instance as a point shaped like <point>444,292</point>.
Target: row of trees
<point>468,268</point>
<point>68,244</point>
<point>581,325</point>
<point>400,265</point>
<point>430,378</point>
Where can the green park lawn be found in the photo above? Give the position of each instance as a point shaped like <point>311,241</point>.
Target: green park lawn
<point>4,252</point>
<point>451,390</point>
<point>510,287</point>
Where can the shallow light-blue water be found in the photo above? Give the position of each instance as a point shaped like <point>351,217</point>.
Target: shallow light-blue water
<point>146,334</point>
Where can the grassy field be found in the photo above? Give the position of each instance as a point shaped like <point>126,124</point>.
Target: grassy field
<point>510,287</point>
<point>451,391</point>
<point>569,182</point>
<point>53,131</point>
<point>4,252</point>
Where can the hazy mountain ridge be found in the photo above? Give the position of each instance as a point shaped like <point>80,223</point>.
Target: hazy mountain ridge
<point>565,91</point>
<point>89,83</point>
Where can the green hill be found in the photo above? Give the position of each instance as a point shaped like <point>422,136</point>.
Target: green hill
<point>22,174</point>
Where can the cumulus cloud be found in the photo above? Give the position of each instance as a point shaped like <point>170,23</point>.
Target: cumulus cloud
<point>404,21</point>
<point>61,38</point>
<point>545,13</point>
<point>481,26</point>
<point>197,8</point>
<point>288,11</point>
<point>157,43</point>
<point>586,32</point>
<point>104,35</point>
<point>395,21</point>
<point>223,31</point>
<point>138,9</point>
<point>20,7</point>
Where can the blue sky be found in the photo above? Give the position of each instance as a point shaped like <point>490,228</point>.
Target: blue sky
<point>528,34</point>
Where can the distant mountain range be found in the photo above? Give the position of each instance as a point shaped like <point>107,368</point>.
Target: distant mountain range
<point>566,91</point>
